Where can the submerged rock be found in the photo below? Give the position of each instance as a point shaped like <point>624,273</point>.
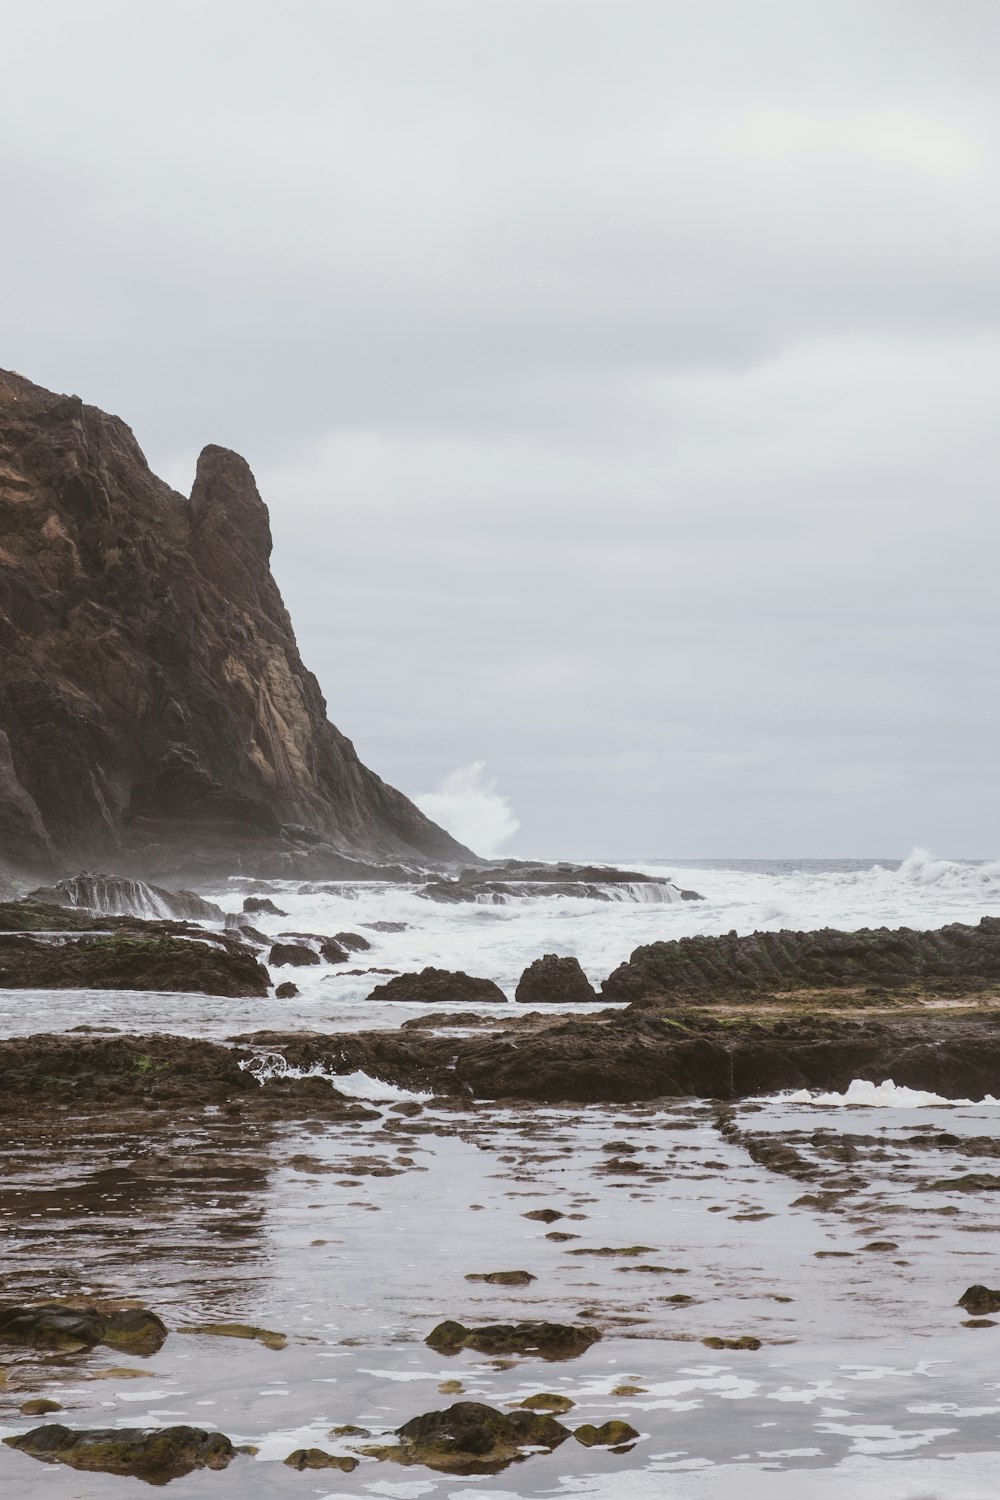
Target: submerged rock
<point>53,1325</point>
<point>156,1455</point>
<point>472,1438</point>
<point>445,986</point>
<point>317,1458</point>
<point>552,980</point>
<point>548,1340</point>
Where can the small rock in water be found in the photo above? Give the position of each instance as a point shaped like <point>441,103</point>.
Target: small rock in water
<point>980,1300</point>
<point>609,1435</point>
<point>156,1455</point>
<point>286,991</point>
<point>502,1278</point>
<point>315,1458</point>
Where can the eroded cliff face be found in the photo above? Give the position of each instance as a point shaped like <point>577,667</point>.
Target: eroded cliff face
<point>155,714</point>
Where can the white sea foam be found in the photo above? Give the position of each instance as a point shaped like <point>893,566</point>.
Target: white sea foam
<point>357,1085</point>
<point>886,1095</point>
<point>469,806</point>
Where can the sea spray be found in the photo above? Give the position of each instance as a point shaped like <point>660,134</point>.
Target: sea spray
<point>469,806</point>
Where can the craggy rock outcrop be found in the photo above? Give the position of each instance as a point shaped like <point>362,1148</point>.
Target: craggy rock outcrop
<point>694,968</point>
<point>119,896</point>
<point>106,1074</point>
<point>51,1325</point>
<point>154,709</point>
<point>440,985</point>
<point>547,1340</point>
<point>156,1455</point>
<point>551,980</point>
<point>131,961</point>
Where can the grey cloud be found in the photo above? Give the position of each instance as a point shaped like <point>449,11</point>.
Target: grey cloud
<point>621,378</point>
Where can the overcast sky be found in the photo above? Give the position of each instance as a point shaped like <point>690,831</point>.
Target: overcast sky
<point>622,378</point>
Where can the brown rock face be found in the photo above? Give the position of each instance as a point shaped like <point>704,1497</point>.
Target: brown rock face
<point>155,714</point>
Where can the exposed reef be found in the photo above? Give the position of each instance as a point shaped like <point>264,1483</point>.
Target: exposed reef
<point>693,968</point>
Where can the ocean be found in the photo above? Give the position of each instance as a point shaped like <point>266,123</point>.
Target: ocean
<point>355,1239</point>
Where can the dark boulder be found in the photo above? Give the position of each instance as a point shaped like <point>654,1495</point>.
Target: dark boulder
<point>352,941</point>
<point>286,990</point>
<point>120,896</point>
<point>980,1300</point>
<point>440,986</point>
<point>255,905</point>
<point>295,955</point>
<point>156,1455</point>
<point>552,980</point>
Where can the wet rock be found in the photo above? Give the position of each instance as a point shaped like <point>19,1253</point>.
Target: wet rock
<point>255,905</point>
<point>551,980</point>
<point>295,955</point>
<point>696,967</point>
<point>980,1300</point>
<point>121,896</point>
<point>52,1325</point>
<point>132,961</point>
<point>315,1458</point>
<point>746,1342</point>
<point>544,1215</point>
<point>286,990</point>
<point>503,1278</point>
<point>551,1341</point>
<point>383,926</point>
<point>107,1074</point>
<point>156,1455</point>
<point>352,941</point>
<point>608,1435</point>
<point>472,1438</point>
<point>39,1406</point>
<point>548,1401</point>
<point>436,986</point>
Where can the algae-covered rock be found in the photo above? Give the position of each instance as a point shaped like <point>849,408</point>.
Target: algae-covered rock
<point>471,1438</point>
<point>316,1458</point>
<point>548,1340</point>
<point>547,1401</point>
<point>39,1406</point>
<point>156,1455</point>
<point>980,1300</point>
<point>265,1336</point>
<point>746,1342</point>
<point>609,1435</point>
<point>51,1325</point>
<point>502,1278</point>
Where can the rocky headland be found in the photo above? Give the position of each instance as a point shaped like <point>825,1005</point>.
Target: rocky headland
<point>155,713</point>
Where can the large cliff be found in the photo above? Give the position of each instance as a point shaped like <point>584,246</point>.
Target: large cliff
<point>155,714</point>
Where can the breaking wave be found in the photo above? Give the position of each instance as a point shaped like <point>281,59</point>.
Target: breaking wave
<point>469,806</point>
<point>886,1095</point>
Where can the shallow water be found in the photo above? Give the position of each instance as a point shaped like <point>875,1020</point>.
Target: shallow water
<point>864,1356</point>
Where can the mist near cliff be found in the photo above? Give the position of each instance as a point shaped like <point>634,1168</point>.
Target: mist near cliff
<point>621,380</point>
